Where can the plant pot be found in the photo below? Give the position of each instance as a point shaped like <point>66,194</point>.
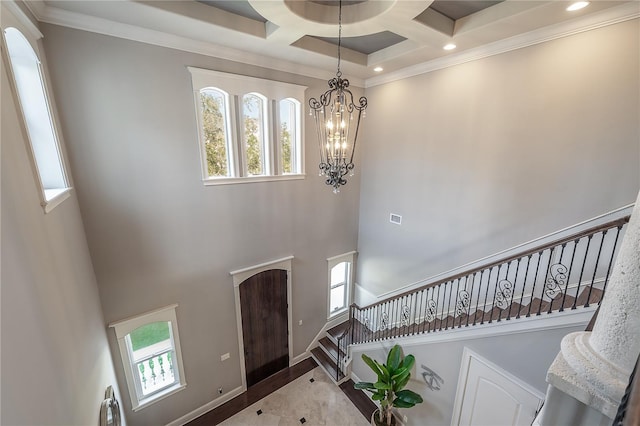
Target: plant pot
<point>375,419</point>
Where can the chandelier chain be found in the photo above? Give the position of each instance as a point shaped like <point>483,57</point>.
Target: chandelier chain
<point>339,73</point>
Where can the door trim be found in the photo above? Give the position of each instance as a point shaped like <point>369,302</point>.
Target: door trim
<point>241,275</point>
<point>467,355</point>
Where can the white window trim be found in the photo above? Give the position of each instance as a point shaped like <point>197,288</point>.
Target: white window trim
<point>236,86</point>
<point>123,327</point>
<point>13,16</point>
<point>350,258</point>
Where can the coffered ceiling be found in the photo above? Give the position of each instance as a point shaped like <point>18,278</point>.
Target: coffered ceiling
<point>403,37</point>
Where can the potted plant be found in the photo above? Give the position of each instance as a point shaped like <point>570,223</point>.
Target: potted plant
<point>389,389</point>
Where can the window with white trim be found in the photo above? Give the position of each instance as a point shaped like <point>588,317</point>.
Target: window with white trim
<point>249,129</point>
<point>27,72</point>
<point>340,279</point>
<point>150,350</point>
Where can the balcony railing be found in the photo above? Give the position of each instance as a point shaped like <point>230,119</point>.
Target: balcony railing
<point>566,274</point>
<point>155,372</point>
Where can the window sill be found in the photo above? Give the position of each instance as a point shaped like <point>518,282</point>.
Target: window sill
<point>53,197</point>
<point>159,396</point>
<point>337,313</point>
<point>252,179</point>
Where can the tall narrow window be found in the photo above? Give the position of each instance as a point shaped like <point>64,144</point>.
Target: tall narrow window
<point>338,285</point>
<point>255,129</point>
<point>215,124</point>
<point>36,110</point>
<point>340,277</point>
<point>150,350</point>
<point>290,135</point>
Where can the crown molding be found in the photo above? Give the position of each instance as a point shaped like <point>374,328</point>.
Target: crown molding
<point>622,13</point>
<point>56,16</point>
<point>23,18</point>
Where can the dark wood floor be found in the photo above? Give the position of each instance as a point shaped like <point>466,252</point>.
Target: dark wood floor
<point>273,383</point>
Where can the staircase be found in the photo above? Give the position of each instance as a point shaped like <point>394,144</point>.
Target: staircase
<point>567,274</point>
<point>328,355</point>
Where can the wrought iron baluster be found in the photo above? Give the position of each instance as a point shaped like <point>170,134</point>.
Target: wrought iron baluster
<point>419,310</point>
<point>475,314</point>
<point>455,305</point>
<point>441,289</point>
<point>431,308</point>
<point>495,292</point>
<point>445,308</point>
<point>545,279</point>
<point>484,308</point>
<point>566,287</point>
<point>556,281</point>
<point>446,318</point>
<point>535,281</point>
<point>584,262</point>
<point>414,304</point>
<point>473,284</point>
<point>503,295</point>
<point>515,287</point>
<point>595,269</point>
<point>615,245</point>
<point>464,301</point>
<point>524,286</point>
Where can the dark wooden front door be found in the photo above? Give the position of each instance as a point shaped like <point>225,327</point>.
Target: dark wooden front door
<point>263,302</point>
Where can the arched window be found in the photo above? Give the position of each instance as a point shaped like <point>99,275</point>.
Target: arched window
<point>254,124</point>
<point>249,129</point>
<point>214,114</point>
<point>340,283</point>
<point>290,136</point>
<point>36,111</point>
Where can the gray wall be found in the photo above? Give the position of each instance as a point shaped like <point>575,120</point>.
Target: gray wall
<point>526,355</point>
<point>156,234</point>
<point>483,156</point>
<point>56,362</point>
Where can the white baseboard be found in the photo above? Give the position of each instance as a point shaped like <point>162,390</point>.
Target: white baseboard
<point>329,324</point>
<point>299,358</point>
<point>207,407</point>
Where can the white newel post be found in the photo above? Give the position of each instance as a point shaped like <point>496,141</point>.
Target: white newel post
<point>593,368</point>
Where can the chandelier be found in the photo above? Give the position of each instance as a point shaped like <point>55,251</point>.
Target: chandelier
<point>337,121</point>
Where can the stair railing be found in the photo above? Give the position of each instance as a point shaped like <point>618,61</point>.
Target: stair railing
<point>565,274</point>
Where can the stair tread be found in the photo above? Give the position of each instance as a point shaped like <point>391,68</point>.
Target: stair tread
<point>338,329</point>
<point>595,297</point>
<point>330,347</point>
<point>330,366</point>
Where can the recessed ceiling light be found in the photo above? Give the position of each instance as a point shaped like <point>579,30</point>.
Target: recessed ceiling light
<point>449,46</point>
<point>577,5</point>
<point>378,69</point>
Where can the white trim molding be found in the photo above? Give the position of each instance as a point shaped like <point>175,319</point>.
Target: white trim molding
<point>467,356</point>
<point>556,235</point>
<point>241,275</point>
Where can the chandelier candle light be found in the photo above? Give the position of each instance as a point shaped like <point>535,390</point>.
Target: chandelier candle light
<point>337,121</point>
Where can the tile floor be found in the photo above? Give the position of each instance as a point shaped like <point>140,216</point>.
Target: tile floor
<point>311,399</point>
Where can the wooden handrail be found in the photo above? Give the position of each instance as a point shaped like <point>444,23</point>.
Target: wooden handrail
<point>593,230</point>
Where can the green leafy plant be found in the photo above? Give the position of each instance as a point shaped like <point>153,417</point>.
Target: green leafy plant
<point>389,389</point>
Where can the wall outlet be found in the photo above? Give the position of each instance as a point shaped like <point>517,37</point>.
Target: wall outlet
<point>220,391</point>
<point>225,357</point>
<point>300,322</point>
